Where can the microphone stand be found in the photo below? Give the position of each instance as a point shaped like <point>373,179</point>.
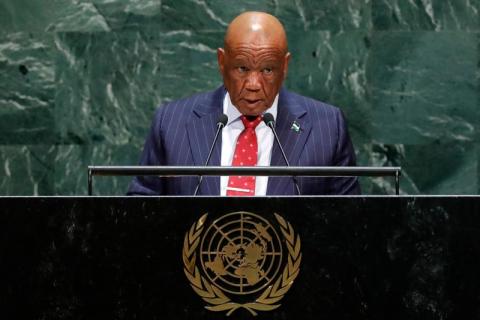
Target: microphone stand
<point>270,122</point>
<point>222,121</point>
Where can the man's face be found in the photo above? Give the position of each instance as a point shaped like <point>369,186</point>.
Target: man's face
<point>253,75</point>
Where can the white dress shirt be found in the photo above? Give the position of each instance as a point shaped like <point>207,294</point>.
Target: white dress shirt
<point>229,140</point>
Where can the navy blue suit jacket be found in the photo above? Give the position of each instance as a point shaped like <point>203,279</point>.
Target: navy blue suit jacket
<point>183,131</point>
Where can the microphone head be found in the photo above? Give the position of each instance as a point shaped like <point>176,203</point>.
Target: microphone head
<point>268,119</point>
<point>222,120</point>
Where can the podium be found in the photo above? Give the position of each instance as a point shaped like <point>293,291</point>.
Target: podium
<point>128,257</point>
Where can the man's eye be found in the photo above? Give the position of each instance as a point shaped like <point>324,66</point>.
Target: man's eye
<point>242,69</point>
<point>267,70</point>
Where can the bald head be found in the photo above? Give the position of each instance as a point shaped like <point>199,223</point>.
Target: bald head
<point>256,28</point>
<point>254,61</point>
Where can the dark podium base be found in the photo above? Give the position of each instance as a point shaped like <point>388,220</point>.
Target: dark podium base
<point>121,258</point>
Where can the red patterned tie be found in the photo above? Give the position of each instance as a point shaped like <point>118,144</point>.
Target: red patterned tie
<point>246,153</point>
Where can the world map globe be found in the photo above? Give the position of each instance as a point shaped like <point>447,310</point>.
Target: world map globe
<point>241,253</point>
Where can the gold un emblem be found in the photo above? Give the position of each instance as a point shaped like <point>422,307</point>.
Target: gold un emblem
<point>239,261</point>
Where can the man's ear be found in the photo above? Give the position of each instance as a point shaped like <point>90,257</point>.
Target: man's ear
<point>221,60</point>
<point>285,64</point>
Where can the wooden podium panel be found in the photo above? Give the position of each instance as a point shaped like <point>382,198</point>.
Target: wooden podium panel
<point>133,257</point>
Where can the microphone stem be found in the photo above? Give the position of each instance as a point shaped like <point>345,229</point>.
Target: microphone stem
<point>220,126</point>
<point>281,149</point>
<point>284,156</point>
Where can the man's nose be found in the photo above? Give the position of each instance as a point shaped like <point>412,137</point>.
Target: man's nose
<point>253,81</point>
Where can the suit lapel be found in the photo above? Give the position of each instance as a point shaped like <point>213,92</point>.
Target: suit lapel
<point>291,115</point>
<point>201,131</point>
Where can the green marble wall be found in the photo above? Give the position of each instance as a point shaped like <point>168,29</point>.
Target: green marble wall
<point>79,80</point>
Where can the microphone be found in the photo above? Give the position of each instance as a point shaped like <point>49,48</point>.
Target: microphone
<point>270,122</point>
<point>221,122</point>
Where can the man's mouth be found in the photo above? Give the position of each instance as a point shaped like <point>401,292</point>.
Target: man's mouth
<point>252,101</point>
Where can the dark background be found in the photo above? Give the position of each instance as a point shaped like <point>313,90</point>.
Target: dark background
<point>121,258</point>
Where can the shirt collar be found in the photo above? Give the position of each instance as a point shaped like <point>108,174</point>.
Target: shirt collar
<point>234,115</point>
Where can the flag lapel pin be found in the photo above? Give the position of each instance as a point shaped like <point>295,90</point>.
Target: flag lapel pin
<point>295,127</point>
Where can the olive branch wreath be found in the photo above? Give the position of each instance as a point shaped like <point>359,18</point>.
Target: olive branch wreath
<point>215,297</point>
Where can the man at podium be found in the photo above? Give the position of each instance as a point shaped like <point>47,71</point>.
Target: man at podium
<point>249,105</point>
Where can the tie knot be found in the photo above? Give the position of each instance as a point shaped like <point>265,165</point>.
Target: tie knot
<point>251,121</point>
